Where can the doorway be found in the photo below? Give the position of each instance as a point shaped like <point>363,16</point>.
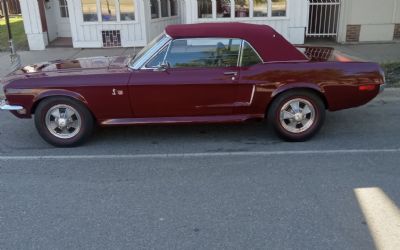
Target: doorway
<point>62,17</point>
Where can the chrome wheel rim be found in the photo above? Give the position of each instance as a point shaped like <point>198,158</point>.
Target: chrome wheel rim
<point>63,121</point>
<point>297,115</point>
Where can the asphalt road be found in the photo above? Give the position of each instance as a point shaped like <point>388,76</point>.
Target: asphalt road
<point>199,187</point>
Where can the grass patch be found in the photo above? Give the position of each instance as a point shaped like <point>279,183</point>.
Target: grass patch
<point>392,72</point>
<point>17,29</point>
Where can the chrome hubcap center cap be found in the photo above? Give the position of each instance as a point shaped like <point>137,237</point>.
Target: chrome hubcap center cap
<point>298,117</point>
<point>62,122</point>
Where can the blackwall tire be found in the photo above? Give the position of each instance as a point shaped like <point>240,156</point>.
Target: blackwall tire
<point>63,122</point>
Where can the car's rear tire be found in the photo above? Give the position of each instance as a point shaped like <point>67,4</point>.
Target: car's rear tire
<point>63,122</point>
<point>297,115</point>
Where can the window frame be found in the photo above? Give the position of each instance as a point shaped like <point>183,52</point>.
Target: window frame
<point>139,63</point>
<point>204,38</point>
<point>176,8</point>
<point>158,10</point>
<point>168,8</point>
<point>135,7</point>
<point>63,6</point>
<point>242,50</point>
<point>168,45</point>
<point>117,13</point>
<point>160,17</point>
<point>251,12</point>
<point>286,9</point>
<point>98,13</point>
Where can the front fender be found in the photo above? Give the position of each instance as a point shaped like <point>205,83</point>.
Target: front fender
<point>30,98</point>
<point>56,92</point>
<point>59,92</point>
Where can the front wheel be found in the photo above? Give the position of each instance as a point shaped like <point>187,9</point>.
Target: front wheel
<point>63,122</point>
<point>297,115</point>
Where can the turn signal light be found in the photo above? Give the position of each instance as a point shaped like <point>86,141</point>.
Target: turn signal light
<point>368,87</point>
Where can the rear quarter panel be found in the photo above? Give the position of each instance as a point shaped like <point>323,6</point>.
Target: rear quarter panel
<point>338,82</point>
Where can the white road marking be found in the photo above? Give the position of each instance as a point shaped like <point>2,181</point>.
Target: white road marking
<point>382,216</point>
<point>197,155</point>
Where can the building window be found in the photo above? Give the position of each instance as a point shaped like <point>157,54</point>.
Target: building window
<point>154,8</point>
<point>242,8</point>
<point>204,8</point>
<point>223,8</point>
<point>260,8</point>
<point>63,8</point>
<point>278,7</point>
<point>108,10</point>
<point>127,10</point>
<point>89,10</point>
<point>174,7</point>
<point>164,8</point>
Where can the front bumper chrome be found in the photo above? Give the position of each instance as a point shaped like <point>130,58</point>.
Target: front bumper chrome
<point>5,106</point>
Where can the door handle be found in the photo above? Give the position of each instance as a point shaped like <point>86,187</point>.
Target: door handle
<point>231,73</point>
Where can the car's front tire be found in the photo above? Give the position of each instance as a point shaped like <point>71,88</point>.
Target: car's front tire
<point>297,115</point>
<point>63,122</point>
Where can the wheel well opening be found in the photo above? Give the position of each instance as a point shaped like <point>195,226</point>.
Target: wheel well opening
<point>318,93</point>
<point>37,102</point>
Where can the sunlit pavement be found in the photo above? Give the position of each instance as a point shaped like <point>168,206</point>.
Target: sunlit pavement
<point>382,215</point>
<point>206,187</point>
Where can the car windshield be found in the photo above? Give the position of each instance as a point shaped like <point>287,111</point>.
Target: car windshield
<point>146,49</point>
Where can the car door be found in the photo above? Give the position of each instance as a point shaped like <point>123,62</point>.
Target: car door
<point>251,92</point>
<point>197,79</point>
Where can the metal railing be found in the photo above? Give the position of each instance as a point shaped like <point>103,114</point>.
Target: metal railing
<point>323,18</point>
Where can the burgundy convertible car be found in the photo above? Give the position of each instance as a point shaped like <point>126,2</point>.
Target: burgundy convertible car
<point>198,73</point>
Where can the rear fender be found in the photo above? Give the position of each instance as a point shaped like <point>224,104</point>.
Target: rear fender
<point>286,87</point>
<point>306,86</point>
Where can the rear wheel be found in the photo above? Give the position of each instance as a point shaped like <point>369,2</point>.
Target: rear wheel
<point>63,122</point>
<point>297,115</point>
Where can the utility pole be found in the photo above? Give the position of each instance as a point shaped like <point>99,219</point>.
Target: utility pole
<point>15,59</point>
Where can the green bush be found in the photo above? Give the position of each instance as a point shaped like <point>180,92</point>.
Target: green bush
<point>392,72</point>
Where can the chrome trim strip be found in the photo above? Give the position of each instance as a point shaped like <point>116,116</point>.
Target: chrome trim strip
<point>150,53</point>
<point>5,106</point>
<point>168,44</point>
<point>258,54</point>
<point>240,58</point>
<point>252,95</point>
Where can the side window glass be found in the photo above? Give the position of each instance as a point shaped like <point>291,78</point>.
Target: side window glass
<point>249,56</point>
<point>204,52</point>
<point>158,59</point>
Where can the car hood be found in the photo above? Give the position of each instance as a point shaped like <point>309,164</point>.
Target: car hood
<point>75,64</point>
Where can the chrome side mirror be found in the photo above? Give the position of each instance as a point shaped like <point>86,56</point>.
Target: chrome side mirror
<point>164,66</point>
